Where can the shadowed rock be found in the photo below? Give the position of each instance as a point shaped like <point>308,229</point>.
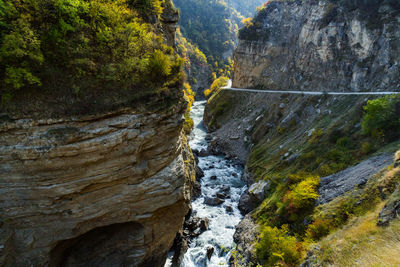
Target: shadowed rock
<point>338,184</point>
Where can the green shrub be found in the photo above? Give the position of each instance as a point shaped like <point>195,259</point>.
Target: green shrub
<point>82,46</point>
<point>316,136</point>
<point>319,228</point>
<point>159,64</point>
<point>382,118</point>
<point>277,247</point>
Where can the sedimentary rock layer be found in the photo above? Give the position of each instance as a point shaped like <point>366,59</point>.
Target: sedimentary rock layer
<point>102,190</point>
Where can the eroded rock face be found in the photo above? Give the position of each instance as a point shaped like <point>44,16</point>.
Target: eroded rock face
<point>338,184</point>
<point>245,237</point>
<point>104,190</point>
<point>321,46</point>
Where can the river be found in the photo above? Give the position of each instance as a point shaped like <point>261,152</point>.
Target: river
<point>220,174</point>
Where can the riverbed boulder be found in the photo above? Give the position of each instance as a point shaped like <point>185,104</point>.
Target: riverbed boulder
<point>213,201</point>
<point>246,204</point>
<point>199,173</point>
<point>204,224</point>
<point>258,191</point>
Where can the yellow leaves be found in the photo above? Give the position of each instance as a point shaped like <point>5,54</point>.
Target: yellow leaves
<point>247,22</point>
<point>304,193</point>
<point>277,247</point>
<point>207,92</point>
<point>189,94</point>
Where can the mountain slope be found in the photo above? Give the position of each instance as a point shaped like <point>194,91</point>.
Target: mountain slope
<point>294,142</point>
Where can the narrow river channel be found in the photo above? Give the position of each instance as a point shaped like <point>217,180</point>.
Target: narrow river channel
<point>222,178</point>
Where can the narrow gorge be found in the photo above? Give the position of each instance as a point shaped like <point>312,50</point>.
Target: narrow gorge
<point>122,145</point>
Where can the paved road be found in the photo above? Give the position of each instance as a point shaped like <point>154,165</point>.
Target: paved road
<point>229,87</point>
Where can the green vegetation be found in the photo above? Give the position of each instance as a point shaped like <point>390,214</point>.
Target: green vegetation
<point>288,219</point>
<point>195,60</point>
<point>323,152</point>
<point>84,47</point>
<point>382,118</point>
<point>212,26</point>
<point>278,248</point>
<point>361,243</point>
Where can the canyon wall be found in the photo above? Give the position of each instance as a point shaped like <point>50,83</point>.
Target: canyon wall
<point>105,188</point>
<point>321,46</point>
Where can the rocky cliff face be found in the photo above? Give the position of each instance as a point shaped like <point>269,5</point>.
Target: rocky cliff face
<point>99,190</point>
<point>109,189</point>
<point>321,46</point>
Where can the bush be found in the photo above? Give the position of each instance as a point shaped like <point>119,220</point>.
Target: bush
<point>189,96</point>
<point>277,247</point>
<point>216,86</point>
<point>319,228</point>
<point>82,46</point>
<point>159,65</point>
<point>303,194</point>
<point>315,136</point>
<point>382,118</point>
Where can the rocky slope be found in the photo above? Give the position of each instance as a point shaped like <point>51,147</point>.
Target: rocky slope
<point>321,46</point>
<point>314,46</point>
<point>104,189</point>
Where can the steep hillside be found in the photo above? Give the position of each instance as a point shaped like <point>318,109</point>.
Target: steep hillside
<point>196,67</point>
<point>94,167</point>
<point>246,8</point>
<point>321,46</point>
<point>213,26</point>
<point>86,56</point>
<point>298,150</point>
<point>210,29</point>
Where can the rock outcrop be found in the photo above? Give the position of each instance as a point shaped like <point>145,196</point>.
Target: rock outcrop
<point>245,235</point>
<point>321,46</point>
<point>339,183</point>
<point>98,190</point>
<point>391,210</point>
<point>99,187</point>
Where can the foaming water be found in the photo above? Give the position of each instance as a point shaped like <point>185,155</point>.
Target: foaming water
<point>222,223</point>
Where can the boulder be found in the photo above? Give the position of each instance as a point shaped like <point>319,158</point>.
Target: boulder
<point>228,209</point>
<point>210,252</point>
<point>391,210</point>
<point>199,173</point>
<point>258,191</point>
<point>213,201</point>
<point>204,224</point>
<point>204,153</point>
<point>246,205</point>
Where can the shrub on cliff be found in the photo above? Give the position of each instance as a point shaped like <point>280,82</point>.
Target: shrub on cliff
<point>303,194</point>
<point>83,45</point>
<point>216,86</point>
<point>382,118</point>
<point>189,96</point>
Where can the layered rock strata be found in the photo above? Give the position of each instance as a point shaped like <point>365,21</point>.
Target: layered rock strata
<point>104,190</point>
